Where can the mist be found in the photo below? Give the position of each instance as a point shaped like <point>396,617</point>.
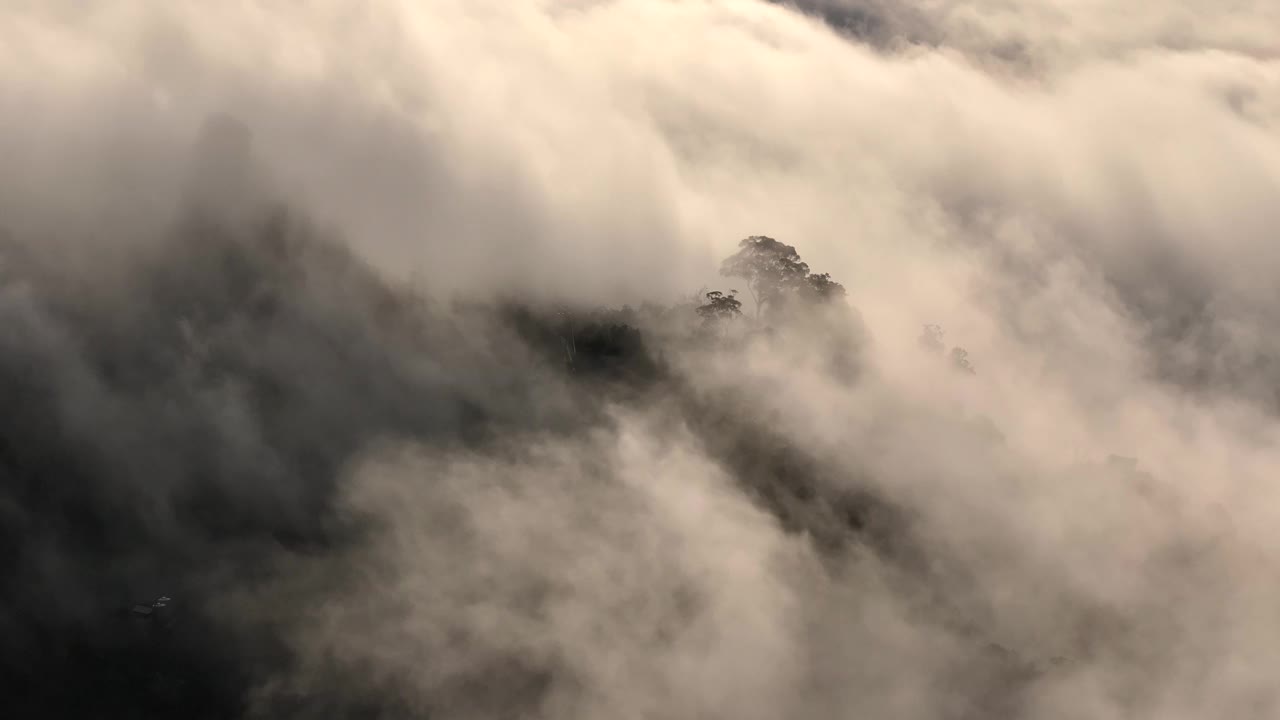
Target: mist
<point>355,363</point>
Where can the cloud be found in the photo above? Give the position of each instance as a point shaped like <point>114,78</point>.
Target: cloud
<point>610,574</point>
<point>387,502</point>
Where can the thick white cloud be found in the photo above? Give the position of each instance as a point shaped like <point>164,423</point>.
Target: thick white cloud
<point>623,146</point>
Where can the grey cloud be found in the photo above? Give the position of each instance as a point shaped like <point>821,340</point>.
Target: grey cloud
<point>883,24</point>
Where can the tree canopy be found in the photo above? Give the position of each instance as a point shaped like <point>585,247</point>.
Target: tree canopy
<point>775,274</point>
<point>720,306</point>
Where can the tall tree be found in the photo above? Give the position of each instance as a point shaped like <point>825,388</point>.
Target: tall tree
<point>772,270</point>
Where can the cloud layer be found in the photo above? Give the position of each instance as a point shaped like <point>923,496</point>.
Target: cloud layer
<point>213,226</point>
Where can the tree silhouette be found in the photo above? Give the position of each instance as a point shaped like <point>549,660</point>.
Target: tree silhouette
<point>771,269</point>
<point>821,288</point>
<point>775,274</point>
<point>720,307</point>
<point>931,338</point>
